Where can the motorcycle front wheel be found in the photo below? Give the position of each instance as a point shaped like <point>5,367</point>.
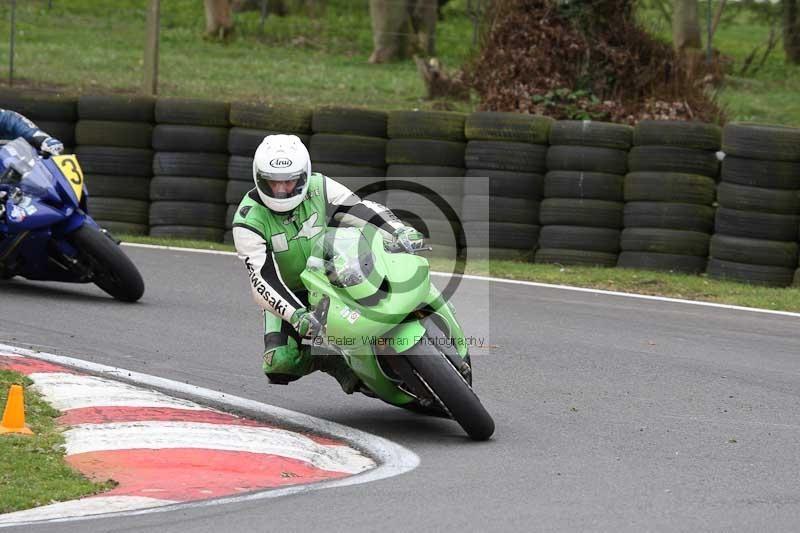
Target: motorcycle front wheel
<point>450,389</point>
<point>111,269</point>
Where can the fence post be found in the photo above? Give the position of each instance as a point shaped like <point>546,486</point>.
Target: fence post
<point>150,85</point>
<point>12,38</point>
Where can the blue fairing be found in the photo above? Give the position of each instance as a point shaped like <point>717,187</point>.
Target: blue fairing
<point>40,223</point>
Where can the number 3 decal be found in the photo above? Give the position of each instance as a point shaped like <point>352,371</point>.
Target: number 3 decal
<point>69,166</point>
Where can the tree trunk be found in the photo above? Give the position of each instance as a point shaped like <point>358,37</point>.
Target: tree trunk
<point>685,25</point>
<point>219,22</point>
<point>791,31</point>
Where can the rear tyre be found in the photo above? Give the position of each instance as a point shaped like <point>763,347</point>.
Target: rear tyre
<point>451,389</point>
<point>112,270</point>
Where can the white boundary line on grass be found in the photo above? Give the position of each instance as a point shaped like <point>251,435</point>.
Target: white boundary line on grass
<point>392,458</point>
<point>532,284</point>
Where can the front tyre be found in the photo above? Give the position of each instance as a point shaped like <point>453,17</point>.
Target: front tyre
<point>450,389</point>
<point>111,269</point>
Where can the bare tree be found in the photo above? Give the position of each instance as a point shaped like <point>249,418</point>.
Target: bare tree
<point>685,25</point>
<point>791,31</point>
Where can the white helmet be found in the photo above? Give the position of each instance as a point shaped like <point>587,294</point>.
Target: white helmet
<point>281,158</point>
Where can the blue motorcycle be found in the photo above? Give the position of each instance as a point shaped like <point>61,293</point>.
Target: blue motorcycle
<point>46,232</point>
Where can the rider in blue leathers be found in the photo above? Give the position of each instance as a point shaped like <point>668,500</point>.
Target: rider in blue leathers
<point>13,125</point>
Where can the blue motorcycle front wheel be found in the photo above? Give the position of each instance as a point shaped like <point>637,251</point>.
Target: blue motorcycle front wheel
<point>111,269</point>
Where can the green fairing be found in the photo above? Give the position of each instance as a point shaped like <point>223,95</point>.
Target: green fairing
<point>356,329</point>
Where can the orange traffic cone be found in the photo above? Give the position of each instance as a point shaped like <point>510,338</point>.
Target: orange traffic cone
<point>14,415</point>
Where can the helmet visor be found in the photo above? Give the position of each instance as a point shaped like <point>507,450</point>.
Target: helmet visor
<point>281,186</point>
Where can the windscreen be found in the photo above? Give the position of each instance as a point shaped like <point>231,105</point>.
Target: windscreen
<point>22,157</point>
<point>344,255</point>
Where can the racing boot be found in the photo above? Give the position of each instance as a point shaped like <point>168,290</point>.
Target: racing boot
<point>335,365</point>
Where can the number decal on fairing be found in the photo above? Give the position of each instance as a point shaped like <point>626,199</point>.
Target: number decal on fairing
<point>68,164</point>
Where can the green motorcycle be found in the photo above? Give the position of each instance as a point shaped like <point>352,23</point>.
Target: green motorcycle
<point>394,329</point>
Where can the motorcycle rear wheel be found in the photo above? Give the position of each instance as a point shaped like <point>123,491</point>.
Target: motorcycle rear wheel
<point>450,389</point>
<point>112,270</point>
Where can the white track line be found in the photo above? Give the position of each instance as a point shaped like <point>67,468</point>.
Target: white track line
<point>71,391</point>
<point>531,284</point>
<point>86,438</point>
<point>392,459</point>
<point>95,505</point>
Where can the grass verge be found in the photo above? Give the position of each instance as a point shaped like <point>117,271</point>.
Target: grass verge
<point>699,288</point>
<point>33,471</point>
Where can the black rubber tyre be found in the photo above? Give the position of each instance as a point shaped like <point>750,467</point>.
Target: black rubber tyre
<point>591,133</point>
<point>335,170</point>
<point>759,199</point>
<point>235,191</point>
<point>772,143</point>
<point>669,187</point>
<point>245,141</point>
<point>501,235</point>
<point>204,139</point>
<point>36,108</point>
<point>130,187</point>
<point>757,173</point>
<point>423,171</point>
<point>509,156</point>
<point>685,264</point>
<point>107,133</point>
<point>195,233</point>
<point>63,131</point>
<point>587,158</point>
<point>572,212</point>
<point>348,150</point>
<point>424,152</point>
<point>227,237</point>
<point>117,108</point>
<point>756,225</point>
<point>498,209</point>
<point>441,125</point>
<point>665,241</point>
<point>450,388</point>
<point>241,168</point>
<point>411,202</point>
<point>118,209</point>
<point>564,256</point>
<point>123,228</point>
<point>115,161</point>
<point>796,282</point>
<point>669,215</point>
<point>188,189</point>
<point>504,183</point>
<point>513,127</point>
<point>446,186</point>
<point>229,215</point>
<point>678,133</point>
<point>580,238</point>
<point>673,159</point>
<point>583,185</point>
<point>349,121</point>
<point>191,164</point>
<point>191,112</point>
<point>112,270</point>
<point>754,251</point>
<point>277,117</point>
<point>197,214</point>
<point>753,274</point>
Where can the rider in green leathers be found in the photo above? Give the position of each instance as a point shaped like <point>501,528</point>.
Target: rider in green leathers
<point>274,229</point>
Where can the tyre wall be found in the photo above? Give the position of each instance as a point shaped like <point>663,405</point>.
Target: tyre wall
<point>675,196</point>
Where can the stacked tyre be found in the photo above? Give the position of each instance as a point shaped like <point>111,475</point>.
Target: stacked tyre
<point>190,169</point>
<point>505,160</point>
<point>114,135</point>
<point>669,195</point>
<point>755,239</point>
<point>251,123</point>
<point>581,214</point>
<point>425,173</point>
<point>54,115</point>
<point>349,145</point>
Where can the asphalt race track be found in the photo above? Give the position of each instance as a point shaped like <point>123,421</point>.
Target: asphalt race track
<point>612,413</point>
